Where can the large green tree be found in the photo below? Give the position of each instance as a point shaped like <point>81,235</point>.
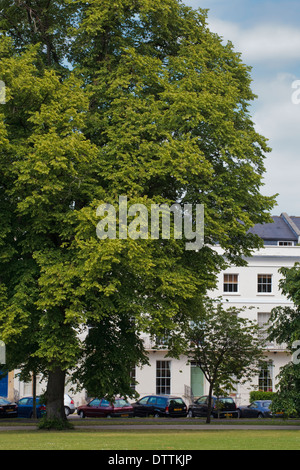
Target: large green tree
<point>107,99</point>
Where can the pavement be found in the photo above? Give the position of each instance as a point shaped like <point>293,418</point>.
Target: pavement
<point>192,426</point>
<point>196,427</point>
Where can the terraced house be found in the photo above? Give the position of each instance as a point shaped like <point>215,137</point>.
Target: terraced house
<point>255,286</point>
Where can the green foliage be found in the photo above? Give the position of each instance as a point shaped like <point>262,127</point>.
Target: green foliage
<point>284,321</point>
<point>41,22</point>
<point>285,328</point>
<point>259,395</point>
<point>226,346</point>
<point>54,424</point>
<point>112,348</point>
<point>288,395</point>
<point>284,405</point>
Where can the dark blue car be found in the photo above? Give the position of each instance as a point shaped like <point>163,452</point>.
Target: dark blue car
<point>257,409</point>
<point>25,408</point>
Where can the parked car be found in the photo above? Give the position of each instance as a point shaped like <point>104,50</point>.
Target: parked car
<point>69,405</point>
<point>257,409</point>
<point>221,407</point>
<point>101,408</point>
<point>160,405</point>
<point>8,409</point>
<point>25,407</point>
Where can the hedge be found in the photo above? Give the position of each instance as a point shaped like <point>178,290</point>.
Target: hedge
<point>259,395</point>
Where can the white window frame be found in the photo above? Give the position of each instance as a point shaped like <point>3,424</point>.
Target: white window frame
<point>265,284</point>
<point>233,281</point>
<point>163,377</point>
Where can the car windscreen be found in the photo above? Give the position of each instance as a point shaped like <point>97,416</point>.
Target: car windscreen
<point>226,400</point>
<point>176,401</point>
<point>120,402</point>
<point>3,401</point>
<point>266,404</point>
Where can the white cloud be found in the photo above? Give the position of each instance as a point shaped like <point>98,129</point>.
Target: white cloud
<point>262,42</point>
<point>274,52</point>
<point>275,112</point>
<point>277,118</point>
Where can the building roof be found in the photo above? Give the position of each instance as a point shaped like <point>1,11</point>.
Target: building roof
<point>283,228</point>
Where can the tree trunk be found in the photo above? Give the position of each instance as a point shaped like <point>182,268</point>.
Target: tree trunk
<point>209,405</point>
<point>55,395</point>
<point>34,415</point>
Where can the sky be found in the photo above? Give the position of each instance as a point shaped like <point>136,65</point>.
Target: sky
<point>267,34</point>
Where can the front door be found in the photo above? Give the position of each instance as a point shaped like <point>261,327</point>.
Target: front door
<point>3,385</point>
<point>197,382</point>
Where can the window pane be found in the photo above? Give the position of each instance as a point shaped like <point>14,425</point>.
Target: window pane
<point>105,403</point>
<point>152,400</point>
<point>144,400</point>
<point>264,283</point>
<point>265,382</point>
<point>163,377</point>
<point>230,283</point>
<point>95,402</point>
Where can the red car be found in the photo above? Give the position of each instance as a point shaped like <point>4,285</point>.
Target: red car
<point>101,408</point>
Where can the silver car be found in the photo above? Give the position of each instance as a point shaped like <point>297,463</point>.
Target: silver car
<point>69,405</point>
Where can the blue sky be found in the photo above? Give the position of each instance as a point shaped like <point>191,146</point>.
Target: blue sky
<point>267,33</point>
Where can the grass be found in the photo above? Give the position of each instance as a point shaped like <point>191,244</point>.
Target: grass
<point>159,440</point>
<point>89,438</point>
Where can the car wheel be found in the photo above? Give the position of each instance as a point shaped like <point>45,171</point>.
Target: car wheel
<point>108,416</point>
<point>190,414</point>
<point>81,414</point>
<point>156,415</point>
<point>239,414</point>
<point>67,410</point>
<point>260,415</point>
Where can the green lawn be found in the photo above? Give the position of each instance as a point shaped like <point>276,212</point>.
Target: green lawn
<point>151,440</point>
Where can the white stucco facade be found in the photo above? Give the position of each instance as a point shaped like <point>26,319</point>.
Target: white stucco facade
<point>263,266</point>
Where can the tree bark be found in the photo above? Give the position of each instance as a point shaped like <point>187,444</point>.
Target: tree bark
<point>34,414</point>
<point>55,395</point>
<point>209,405</point>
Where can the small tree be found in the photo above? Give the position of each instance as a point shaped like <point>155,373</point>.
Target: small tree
<point>285,328</point>
<point>225,346</point>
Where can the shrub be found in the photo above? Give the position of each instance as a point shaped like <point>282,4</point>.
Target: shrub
<point>54,423</point>
<point>285,405</point>
<point>259,395</point>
